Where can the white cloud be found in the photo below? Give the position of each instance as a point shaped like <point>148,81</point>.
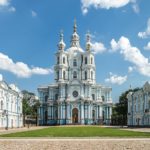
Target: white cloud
<point>145,33</point>
<point>115,79</point>
<point>1,77</point>
<point>130,69</point>
<point>133,55</point>
<point>4,2</point>
<point>147,47</point>
<point>33,13</point>
<point>12,9</point>
<point>98,47</point>
<point>21,69</point>
<point>5,5</point>
<point>136,8</point>
<point>106,4</point>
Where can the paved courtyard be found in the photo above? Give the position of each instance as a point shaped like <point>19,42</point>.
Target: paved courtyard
<point>75,144</point>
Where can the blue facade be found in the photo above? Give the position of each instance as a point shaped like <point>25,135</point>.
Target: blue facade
<point>139,106</point>
<point>75,97</point>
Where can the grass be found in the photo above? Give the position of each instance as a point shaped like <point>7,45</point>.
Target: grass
<point>83,131</point>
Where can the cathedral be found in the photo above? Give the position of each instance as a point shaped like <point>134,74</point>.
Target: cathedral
<point>74,97</point>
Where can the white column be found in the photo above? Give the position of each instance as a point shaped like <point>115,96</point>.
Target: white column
<point>107,112</point>
<point>58,111</point>
<point>91,112</point>
<point>49,112</point>
<point>82,113</point>
<point>61,111</point>
<point>97,113</point>
<point>52,112</point>
<point>68,113</point>
<point>89,108</point>
<point>100,111</point>
<point>110,112</point>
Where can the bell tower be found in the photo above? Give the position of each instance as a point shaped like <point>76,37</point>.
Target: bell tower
<point>61,61</point>
<point>75,39</point>
<point>89,68</point>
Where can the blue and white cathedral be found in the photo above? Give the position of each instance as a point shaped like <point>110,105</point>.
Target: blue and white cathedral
<point>75,97</point>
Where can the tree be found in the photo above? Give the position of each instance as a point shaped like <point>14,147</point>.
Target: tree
<point>26,109</point>
<point>30,106</point>
<point>120,110</point>
<point>35,110</point>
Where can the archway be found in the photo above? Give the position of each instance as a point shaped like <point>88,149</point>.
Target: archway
<point>75,115</point>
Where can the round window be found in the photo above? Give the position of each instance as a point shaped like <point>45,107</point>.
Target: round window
<point>75,93</point>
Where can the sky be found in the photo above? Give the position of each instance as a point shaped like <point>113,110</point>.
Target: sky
<point>120,37</point>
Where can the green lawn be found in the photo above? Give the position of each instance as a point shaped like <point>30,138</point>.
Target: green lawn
<point>83,131</point>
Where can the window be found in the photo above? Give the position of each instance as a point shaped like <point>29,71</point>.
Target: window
<point>93,96</point>
<point>85,75</point>
<point>74,62</point>
<point>91,60</point>
<point>103,98</point>
<point>85,60</point>
<point>56,96</point>
<point>57,60</point>
<point>63,60</point>
<point>64,74</point>
<point>74,74</point>
<point>57,75</point>
<point>75,94</point>
<point>46,98</point>
<point>1,104</point>
<point>92,75</point>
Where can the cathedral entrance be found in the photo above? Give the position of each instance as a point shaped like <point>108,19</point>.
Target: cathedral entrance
<point>75,115</point>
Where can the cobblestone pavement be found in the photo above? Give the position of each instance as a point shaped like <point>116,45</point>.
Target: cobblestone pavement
<point>75,144</point>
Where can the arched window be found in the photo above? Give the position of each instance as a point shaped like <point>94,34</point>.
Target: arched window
<point>64,74</point>
<point>1,104</point>
<point>91,60</point>
<point>46,98</point>
<point>74,62</point>
<point>64,60</point>
<point>85,75</point>
<point>56,96</point>
<point>58,60</point>
<point>85,60</point>
<point>74,74</point>
<point>103,98</point>
<point>93,96</point>
<point>92,75</point>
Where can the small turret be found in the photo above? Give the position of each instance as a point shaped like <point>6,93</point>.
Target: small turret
<point>88,42</point>
<point>61,44</point>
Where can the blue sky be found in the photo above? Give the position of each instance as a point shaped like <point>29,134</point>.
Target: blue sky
<point>120,30</point>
